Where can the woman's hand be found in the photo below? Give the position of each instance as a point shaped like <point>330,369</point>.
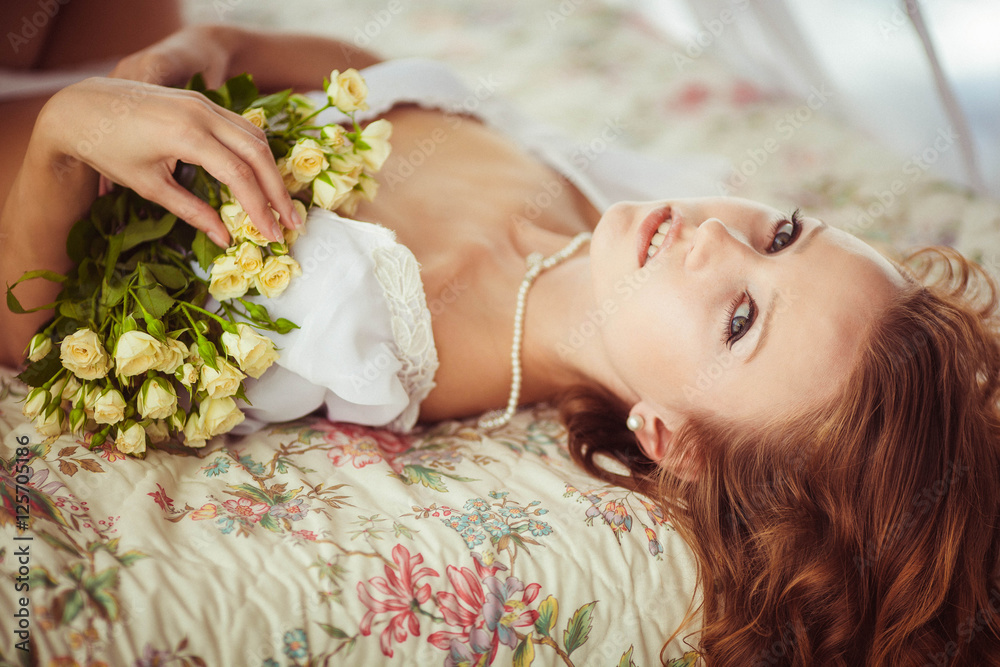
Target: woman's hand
<point>174,60</point>
<point>134,133</point>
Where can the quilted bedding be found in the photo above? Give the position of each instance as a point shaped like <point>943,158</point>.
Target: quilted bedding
<point>318,543</point>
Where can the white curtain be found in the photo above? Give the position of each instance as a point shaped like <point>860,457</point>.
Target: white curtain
<point>923,76</point>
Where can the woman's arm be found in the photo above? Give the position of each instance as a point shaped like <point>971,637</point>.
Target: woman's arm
<point>136,133</point>
<point>276,60</point>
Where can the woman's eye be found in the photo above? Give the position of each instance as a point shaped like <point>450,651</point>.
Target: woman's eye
<point>783,235</point>
<point>741,321</point>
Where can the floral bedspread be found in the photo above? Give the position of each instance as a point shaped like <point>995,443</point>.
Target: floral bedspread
<point>330,544</point>
<point>318,543</point>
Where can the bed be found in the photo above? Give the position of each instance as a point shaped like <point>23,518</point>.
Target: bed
<point>320,543</point>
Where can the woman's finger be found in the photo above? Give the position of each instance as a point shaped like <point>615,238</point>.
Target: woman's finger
<point>192,210</point>
<point>249,142</point>
<point>231,169</point>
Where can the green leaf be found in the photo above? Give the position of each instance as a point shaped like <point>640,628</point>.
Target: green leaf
<point>114,251</point>
<point>548,610</point>
<point>333,631</point>
<point>205,250</point>
<point>74,603</point>
<point>273,103</point>
<point>242,91</point>
<point>170,277</point>
<point>112,292</point>
<point>414,474</point>
<point>253,492</point>
<point>39,576</point>
<point>15,306</point>
<point>130,557</point>
<point>103,579</point>
<point>107,604</point>
<point>81,239</point>
<point>43,370</point>
<point>142,231</point>
<point>525,653</point>
<point>196,83</point>
<point>578,629</point>
<point>151,296</point>
<point>82,311</point>
<point>626,660</point>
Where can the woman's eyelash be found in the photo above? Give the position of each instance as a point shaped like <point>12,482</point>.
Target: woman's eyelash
<point>729,336</point>
<point>795,220</point>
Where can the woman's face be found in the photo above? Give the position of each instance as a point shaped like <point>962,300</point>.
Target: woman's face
<point>741,311</point>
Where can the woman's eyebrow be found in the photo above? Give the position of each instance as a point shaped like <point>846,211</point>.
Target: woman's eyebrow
<point>765,323</point>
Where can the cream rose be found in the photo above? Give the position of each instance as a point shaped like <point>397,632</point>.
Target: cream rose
<point>51,422</point>
<point>136,353</point>
<point>232,215</point>
<point>330,189</point>
<point>194,434</point>
<point>109,408</point>
<point>157,399</point>
<point>277,273</point>
<point>37,400</point>
<point>307,160</point>
<point>253,352</point>
<point>157,431</point>
<point>84,355</point>
<point>248,257</point>
<point>187,374</point>
<point>376,135</point>
<point>239,225</point>
<point>227,279</point>
<point>334,136</point>
<point>285,169</point>
<point>172,356</point>
<point>131,440</point>
<point>256,116</point>
<point>347,90</point>
<point>220,383</point>
<point>39,346</point>
<point>218,416</point>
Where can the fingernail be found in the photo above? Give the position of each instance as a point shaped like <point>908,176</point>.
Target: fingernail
<point>218,239</point>
<point>278,234</point>
<point>296,219</point>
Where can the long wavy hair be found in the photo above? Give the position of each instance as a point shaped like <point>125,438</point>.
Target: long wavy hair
<point>863,532</point>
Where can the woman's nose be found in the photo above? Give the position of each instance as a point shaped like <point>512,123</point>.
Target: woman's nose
<point>714,241</point>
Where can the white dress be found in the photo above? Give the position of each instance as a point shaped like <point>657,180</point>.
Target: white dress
<point>365,350</point>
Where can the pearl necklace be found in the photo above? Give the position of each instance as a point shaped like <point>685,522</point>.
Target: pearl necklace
<point>536,264</point>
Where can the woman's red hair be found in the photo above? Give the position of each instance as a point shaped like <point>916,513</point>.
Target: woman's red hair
<point>863,532</point>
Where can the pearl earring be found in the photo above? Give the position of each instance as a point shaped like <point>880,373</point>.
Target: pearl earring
<point>634,423</point>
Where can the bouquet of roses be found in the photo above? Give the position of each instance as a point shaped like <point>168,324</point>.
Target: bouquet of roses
<point>137,351</point>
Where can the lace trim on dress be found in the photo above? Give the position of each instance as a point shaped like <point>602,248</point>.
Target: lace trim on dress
<point>398,273</point>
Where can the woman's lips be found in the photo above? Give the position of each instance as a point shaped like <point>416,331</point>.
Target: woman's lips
<point>650,226</point>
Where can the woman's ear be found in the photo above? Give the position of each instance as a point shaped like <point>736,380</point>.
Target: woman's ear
<point>655,434</point>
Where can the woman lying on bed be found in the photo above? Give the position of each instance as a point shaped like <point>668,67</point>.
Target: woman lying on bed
<point>822,428</point>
